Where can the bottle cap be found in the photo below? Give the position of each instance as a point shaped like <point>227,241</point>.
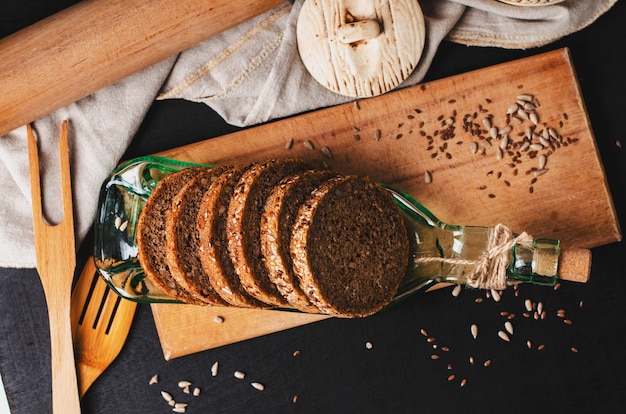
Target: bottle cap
<point>575,265</point>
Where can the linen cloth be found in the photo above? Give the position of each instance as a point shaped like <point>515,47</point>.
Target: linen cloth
<point>249,74</point>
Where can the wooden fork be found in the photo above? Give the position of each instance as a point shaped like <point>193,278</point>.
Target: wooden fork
<point>56,261</point>
<point>101,321</point>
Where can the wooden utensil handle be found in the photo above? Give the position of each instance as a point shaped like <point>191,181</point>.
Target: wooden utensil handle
<point>65,397</point>
<point>95,43</point>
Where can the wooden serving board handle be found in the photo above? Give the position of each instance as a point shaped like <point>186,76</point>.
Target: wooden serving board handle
<point>95,43</point>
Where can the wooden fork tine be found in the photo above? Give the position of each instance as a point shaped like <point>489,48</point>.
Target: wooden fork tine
<point>56,261</point>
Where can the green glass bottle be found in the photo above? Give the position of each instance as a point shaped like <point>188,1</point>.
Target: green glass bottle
<point>480,257</point>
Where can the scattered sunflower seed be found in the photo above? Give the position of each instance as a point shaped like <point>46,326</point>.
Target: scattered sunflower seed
<point>218,319</point>
<point>124,225</point>
<point>239,375</point>
<point>183,384</point>
<point>196,392</point>
<point>428,178</point>
<point>214,368</point>
<point>166,396</point>
<point>326,152</point>
<point>457,290</point>
<point>289,144</point>
<point>504,336</point>
<point>509,327</point>
<point>118,222</point>
<point>474,331</point>
<point>528,304</point>
<point>308,145</point>
<point>495,295</point>
<point>154,379</point>
<point>258,386</point>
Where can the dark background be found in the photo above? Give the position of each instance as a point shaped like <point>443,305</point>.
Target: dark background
<point>334,371</point>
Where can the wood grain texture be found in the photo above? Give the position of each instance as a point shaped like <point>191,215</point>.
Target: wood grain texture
<point>95,43</point>
<point>570,202</point>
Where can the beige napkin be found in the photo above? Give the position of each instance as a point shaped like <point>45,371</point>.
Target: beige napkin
<point>249,74</point>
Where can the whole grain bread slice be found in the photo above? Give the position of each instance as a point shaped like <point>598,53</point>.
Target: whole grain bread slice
<point>349,247</point>
<point>243,226</point>
<point>277,221</point>
<point>151,234</point>
<point>183,238</point>
<point>213,247</point>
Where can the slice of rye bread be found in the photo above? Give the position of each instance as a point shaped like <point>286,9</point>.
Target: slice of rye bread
<point>277,221</point>
<point>182,238</point>
<point>244,222</point>
<point>349,247</point>
<point>213,248</point>
<point>150,234</point>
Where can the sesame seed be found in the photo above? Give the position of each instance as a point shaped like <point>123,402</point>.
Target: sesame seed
<point>183,384</point>
<point>451,377</point>
<point>196,392</point>
<point>214,368</point>
<point>495,295</point>
<point>463,382</point>
<point>308,145</point>
<point>509,327</point>
<point>218,319</point>
<point>239,375</point>
<point>574,349</point>
<point>474,331</point>
<point>166,396</point>
<point>434,356</point>
<point>487,363</point>
<point>423,332</point>
<point>154,379</point>
<point>369,345</point>
<point>296,353</point>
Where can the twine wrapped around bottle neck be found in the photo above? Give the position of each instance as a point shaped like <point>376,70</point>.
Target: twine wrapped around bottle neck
<point>490,268</point>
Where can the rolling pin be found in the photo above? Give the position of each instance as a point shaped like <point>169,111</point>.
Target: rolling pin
<point>95,43</point>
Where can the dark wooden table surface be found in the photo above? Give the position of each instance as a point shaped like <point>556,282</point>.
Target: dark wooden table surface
<point>326,366</point>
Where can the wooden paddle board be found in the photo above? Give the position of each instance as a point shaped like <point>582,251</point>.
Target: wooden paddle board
<point>442,142</point>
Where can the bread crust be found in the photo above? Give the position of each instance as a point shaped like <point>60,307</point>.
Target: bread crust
<point>213,249</point>
<point>151,238</point>
<point>183,238</point>
<point>276,224</point>
<point>243,226</point>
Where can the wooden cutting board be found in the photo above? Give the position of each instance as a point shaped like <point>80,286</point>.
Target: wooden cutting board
<point>398,137</point>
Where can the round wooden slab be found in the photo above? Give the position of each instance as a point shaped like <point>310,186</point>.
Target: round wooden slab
<point>360,48</point>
